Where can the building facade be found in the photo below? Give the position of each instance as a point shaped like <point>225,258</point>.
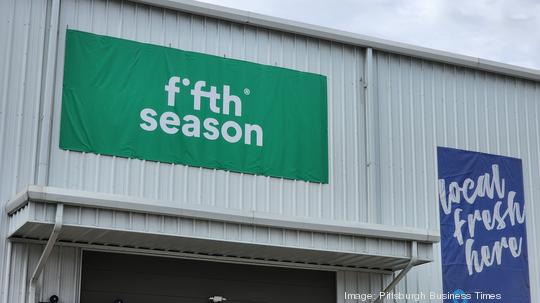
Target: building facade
<point>72,219</point>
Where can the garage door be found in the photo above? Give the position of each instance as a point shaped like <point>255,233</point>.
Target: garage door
<point>107,277</point>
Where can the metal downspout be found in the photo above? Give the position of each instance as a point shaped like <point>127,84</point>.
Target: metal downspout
<point>46,253</point>
<point>403,272</point>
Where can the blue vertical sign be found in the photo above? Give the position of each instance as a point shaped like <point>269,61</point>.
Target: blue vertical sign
<point>483,236</point>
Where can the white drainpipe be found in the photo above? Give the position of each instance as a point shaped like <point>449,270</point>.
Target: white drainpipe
<point>403,272</point>
<point>46,252</point>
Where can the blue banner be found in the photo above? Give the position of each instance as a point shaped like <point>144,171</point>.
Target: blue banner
<point>483,236</point>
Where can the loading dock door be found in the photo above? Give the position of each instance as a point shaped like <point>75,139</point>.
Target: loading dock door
<point>145,279</point>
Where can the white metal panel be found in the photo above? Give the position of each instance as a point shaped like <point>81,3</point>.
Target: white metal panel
<point>22,32</point>
<point>420,105</point>
<point>424,105</point>
<point>360,283</point>
<point>61,275</point>
<point>342,199</point>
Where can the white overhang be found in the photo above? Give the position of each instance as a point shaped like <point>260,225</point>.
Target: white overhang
<point>107,220</point>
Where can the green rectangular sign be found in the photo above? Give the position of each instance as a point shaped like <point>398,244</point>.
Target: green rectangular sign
<point>137,100</point>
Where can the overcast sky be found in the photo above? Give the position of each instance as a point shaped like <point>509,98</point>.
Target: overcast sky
<point>501,30</point>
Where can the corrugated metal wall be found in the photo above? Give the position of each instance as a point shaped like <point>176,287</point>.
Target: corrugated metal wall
<point>422,105</point>
<point>22,34</point>
<point>418,105</point>
<point>61,275</point>
<point>359,283</point>
<point>343,199</point>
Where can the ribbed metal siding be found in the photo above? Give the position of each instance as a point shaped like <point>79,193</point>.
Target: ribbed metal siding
<point>420,105</point>
<point>22,32</point>
<point>342,199</point>
<point>423,105</point>
<point>61,275</point>
<point>360,283</point>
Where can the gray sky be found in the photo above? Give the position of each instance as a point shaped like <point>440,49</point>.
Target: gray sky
<point>501,30</point>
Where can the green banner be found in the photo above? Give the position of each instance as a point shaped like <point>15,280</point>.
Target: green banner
<point>144,101</point>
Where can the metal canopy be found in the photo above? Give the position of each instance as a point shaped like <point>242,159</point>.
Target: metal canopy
<point>113,221</point>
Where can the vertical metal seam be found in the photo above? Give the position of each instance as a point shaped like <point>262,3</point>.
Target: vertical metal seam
<point>535,237</point>
<point>170,192</point>
<point>356,167</point>
<point>78,275</point>
<point>25,260</point>
<point>401,143</point>
<point>443,105</point>
<point>294,182</point>
<point>413,149</point>
<point>486,114</point>
<point>6,81</point>
<point>343,94</point>
<point>7,272</point>
<point>59,268</point>
<point>21,96</point>
<point>47,96</point>
<point>466,112</point>
<point>454,103</point>
<point>320,186</point>
<point>424,143</point>
<point>391,168</point>
<point>369,135</point>
<point>516,112</point>
<point>331,157</point>
<point>506,118</point>
<point>529,172</point>
<point>39,92</point>
<point>112,174</point>
<point>80,180</point>
<point>476,125</point>
<point>157,180</point>
<point>497,126</point>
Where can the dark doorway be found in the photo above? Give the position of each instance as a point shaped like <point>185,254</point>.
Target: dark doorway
<point>146,279</point>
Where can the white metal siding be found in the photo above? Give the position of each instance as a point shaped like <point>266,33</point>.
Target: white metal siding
<point>343,199</point>
<point>419,105</point>
<point>423,105</point>
<point>61,275</point>
<point>22,32</point>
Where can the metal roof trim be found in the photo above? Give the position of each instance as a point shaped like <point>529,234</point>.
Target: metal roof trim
<point>110,201</point>
<point>295,27</point>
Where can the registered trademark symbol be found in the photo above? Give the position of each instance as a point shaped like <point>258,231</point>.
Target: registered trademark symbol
<point>247,91</point>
